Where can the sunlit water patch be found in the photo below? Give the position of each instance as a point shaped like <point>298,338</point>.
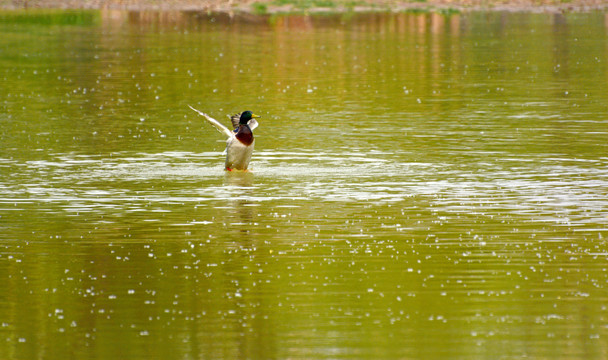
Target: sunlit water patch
<point>423,186</point>
<point>554,192</point>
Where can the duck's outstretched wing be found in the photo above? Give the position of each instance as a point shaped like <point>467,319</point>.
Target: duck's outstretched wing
<point>221,128</point>
<point>236,118</point>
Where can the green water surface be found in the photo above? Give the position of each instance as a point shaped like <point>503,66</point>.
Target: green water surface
<point>423,186</point>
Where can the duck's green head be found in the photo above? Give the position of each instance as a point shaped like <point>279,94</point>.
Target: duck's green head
<point>246,116</point>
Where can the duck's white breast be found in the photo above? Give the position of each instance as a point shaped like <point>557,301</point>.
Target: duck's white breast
<point>237,154</point>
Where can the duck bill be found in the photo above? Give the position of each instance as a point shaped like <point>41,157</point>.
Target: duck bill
<point>255,116</point>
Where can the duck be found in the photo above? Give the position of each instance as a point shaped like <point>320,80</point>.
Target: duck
<point>240,142</point>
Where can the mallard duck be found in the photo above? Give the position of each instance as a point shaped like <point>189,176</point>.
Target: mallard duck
<point>239,145</point>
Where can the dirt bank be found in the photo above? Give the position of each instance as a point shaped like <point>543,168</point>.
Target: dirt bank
<point>311,6</point>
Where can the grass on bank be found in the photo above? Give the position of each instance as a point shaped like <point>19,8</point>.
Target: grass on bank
<point>329,6</point>
<point>303,5</point>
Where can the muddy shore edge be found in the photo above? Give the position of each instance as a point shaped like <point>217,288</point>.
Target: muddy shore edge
<point>315,6</point>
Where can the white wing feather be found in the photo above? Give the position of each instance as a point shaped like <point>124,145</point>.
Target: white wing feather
<point>221,128</point>
<point>253,123</point>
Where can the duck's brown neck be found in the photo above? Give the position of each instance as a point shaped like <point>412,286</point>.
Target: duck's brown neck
<point>244,135</point>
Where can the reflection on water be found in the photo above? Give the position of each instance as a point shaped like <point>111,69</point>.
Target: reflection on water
<point>423,186</point>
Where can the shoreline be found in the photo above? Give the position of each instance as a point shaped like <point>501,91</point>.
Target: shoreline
<point>263,7</point>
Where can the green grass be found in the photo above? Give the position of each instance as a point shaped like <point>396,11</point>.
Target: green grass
<point>306,4</point>
<point>259,8</point>
<point>50,17</point>
<point>448,11</point>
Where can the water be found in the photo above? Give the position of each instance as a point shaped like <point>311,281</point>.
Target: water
<point>423,186</point>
